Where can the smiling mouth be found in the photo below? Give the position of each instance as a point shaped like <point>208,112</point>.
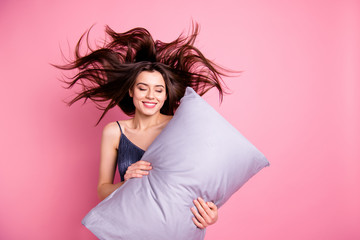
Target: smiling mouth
<point>149,104</point>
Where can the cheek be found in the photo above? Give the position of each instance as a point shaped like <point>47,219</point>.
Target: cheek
<point>138,94</point>
<point>163,97</point>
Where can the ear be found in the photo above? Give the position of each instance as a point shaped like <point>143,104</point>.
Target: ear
<point>131,92</point>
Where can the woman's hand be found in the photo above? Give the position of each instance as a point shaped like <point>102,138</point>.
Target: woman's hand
<point>206,213</point>
<point>137,170</point>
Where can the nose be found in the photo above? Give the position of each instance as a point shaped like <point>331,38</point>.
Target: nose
<point>150,94</point>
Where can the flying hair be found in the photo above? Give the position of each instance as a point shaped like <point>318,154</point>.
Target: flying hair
<point>108,72</point>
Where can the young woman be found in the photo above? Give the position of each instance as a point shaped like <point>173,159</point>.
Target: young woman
<point>146,79</point>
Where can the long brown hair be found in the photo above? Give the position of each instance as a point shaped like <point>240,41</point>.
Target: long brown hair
<point>107,73</point>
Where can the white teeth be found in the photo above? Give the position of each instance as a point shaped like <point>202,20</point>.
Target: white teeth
<point>150,104</point>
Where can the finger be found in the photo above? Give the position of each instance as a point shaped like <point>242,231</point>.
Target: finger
<point>132,175</point>
<point>205,206</point>
<point>137,172</point>
<point>145,167</point>
<point>205,219</point>
<point>206,212</point>
<point>199,225</point>
<point>142,166</point>
<point>142,172</point>
<point>144,162</point>
<point>209,215</point>
<point>199,219</point>
<point>212,205</point>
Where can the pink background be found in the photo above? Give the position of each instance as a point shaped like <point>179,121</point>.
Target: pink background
<point>298,101</point>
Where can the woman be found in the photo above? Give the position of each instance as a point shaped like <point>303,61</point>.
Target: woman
<point>146,79</point>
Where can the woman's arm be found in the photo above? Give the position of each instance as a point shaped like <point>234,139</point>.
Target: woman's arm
<point>109,141</point>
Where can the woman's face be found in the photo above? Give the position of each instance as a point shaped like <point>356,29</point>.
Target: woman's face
<point>148,93</point>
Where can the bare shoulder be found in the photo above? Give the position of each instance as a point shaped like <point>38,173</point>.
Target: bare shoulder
<point>111,130</point>
<point>124,124</point>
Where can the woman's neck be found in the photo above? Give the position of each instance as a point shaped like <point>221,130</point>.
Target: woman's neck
<point>142,122</point>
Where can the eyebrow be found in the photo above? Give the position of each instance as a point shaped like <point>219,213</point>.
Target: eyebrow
<point>148,85</point>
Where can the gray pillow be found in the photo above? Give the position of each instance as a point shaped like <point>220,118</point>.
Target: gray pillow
<point>198,154</point>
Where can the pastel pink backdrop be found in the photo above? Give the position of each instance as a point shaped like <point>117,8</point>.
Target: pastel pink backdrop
<point>297,100</point>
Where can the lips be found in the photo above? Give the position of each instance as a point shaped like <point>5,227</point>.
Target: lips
<point>149,104</point>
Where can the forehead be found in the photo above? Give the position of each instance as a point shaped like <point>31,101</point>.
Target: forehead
<point>150,78</point>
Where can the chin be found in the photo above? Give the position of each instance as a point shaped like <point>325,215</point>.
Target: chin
<point>149,112</point>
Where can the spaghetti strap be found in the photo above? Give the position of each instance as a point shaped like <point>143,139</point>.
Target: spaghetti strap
<point>127,153</point>
<point>119,127</point>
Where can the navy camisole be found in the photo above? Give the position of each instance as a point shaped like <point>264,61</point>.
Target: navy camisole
<point>127,154</point>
